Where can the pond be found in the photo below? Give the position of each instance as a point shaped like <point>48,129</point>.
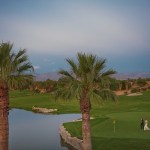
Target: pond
<point>34,131</point>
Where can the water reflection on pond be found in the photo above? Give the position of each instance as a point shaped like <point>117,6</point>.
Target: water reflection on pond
<point>30,131</point>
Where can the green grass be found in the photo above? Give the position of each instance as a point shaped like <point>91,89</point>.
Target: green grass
<point>127,113</point>
<point>26,100</point>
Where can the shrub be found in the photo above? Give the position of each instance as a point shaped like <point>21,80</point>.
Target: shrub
<point>135,90</point>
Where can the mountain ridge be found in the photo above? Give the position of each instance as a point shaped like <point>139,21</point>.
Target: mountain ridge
<point>118,76</point>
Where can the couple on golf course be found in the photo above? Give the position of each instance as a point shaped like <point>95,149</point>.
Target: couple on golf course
<point>144,124</point>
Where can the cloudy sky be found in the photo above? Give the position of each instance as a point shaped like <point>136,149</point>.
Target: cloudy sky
<point>52,30</point>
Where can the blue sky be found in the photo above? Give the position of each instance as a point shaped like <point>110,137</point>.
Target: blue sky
<point>52,30</point>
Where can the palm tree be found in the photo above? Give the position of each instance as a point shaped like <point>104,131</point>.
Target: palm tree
<point>14,69</point>
<point>85,80</point>
<point>3,116</point>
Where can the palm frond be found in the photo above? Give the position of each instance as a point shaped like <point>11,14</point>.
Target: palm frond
<point>108,73</point>
<point>73,66</point>
<point>13,66</point>
<point>106,94</point>
<point>24,68</point>
<point>65,74</point>
<point>88,75</point>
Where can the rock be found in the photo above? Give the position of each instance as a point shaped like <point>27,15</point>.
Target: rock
<point>43,110</point>
<point>135,94</point>
<point>73,141</point>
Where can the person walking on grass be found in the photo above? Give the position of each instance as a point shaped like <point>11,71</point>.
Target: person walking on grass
<point>146,125</point>
<point>142,124</point>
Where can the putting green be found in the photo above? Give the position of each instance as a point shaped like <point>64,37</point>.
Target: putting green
<point>127,125</point>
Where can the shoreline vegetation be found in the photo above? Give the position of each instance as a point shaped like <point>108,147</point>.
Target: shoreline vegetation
<point>127,113</point>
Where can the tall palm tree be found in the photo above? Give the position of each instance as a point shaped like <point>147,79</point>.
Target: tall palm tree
<point>85,80</point>
<point>14,70</point>
<point>3,116</point>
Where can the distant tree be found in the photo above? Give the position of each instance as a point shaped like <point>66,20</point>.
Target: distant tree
<point>123,85</point>
<point>50,85</point>
<point>47,85</point>
<point>141,82</point>
<point>86,79</point>
<point>114,84</point>
<point>14,69</point>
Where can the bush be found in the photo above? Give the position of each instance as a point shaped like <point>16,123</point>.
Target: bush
<point>141,82</point>
<point>36,91</point>
<point>135,90</point>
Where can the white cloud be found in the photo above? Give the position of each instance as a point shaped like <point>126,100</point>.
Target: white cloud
<point>36,67</point>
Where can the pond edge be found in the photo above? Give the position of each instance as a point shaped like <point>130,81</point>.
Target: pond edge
<point>73,141</point>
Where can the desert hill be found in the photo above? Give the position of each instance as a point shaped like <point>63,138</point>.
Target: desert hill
<point>119,76</point>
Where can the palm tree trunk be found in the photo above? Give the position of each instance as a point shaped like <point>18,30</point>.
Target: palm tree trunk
<point>3,116</point>
<point>85,107</point>
<point>4,133</point>
<point>86,131</point>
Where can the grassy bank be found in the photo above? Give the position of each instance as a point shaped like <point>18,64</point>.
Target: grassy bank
<point>127,113</point>
<point>26,100</point>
